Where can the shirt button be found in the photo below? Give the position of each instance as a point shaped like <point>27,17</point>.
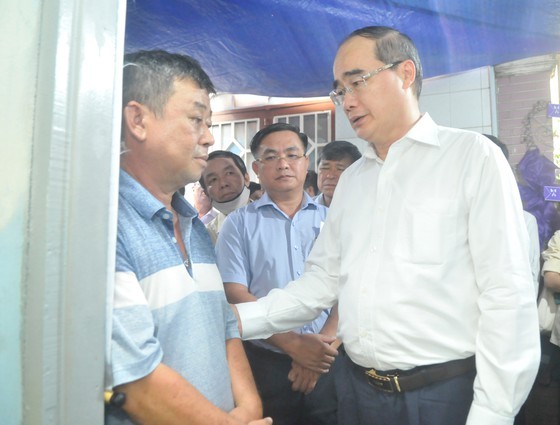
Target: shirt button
<point>166,216</point>
<point>174,240</point>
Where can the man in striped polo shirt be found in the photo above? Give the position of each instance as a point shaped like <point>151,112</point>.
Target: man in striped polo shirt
<point>175,348</point>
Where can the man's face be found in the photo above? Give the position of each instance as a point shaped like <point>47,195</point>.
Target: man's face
<point>375,109</point>
<point>281,176</point>
<point>329,173</point>
<point>223,179</point>
<point>176,143</point>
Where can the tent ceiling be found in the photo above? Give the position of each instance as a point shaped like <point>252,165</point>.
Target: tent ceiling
<point>286,47</point>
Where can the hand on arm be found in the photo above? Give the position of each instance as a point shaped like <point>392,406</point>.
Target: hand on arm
<point>312,351</point>
<point>165,397</point>
<point>303,379</point>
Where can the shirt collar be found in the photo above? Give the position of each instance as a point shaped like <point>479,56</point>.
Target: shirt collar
<point>147,204</point>
<point>308,201</point>
<point>425,131</point>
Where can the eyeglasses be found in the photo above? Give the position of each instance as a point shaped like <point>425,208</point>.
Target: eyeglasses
<point>273,158</point>
<point>337,95</point>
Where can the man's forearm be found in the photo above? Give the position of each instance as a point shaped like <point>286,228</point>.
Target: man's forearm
<point>330,327</point>
<point>247,401</point>
<point>165,397</point>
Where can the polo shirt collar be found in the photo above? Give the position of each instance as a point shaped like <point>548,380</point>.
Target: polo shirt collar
<point>308,201</point>
<point>147,204</point>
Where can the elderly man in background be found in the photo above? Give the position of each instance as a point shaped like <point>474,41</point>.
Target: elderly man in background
<point>226,182</point>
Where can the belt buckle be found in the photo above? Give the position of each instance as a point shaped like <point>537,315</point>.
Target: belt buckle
<point>389,383</point>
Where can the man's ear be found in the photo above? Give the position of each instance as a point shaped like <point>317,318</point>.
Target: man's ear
<point>409,73</point>
<point>133,118</point>
<point>255,167</point>
<point>247,179</point>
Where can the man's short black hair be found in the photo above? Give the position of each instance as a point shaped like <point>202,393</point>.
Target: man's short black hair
<point>338,150</point>
<point>273,128</point>
<point>149,77</point>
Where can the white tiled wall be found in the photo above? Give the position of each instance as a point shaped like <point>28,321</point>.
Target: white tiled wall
<point>464,100</point>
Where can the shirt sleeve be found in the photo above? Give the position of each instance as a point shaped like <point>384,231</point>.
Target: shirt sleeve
<point>301,300</point>
<point>507,340</point>
<point>231,251</point>
<point>534,248</point>
<point>134,351</point>
<point>551,255</point>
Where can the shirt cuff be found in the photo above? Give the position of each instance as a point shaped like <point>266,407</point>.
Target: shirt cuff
<point>479,415</point>
<point>253,322</point>
<point>551,265</point>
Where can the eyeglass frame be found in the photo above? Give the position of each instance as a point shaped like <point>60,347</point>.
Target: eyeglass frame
<point>337,96</point>
<point>274,158</point>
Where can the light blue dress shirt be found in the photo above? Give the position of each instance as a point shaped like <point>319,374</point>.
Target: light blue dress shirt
<point>262,248</point>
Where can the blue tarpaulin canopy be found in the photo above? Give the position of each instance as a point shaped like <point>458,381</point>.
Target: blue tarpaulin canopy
<point>286,47</point>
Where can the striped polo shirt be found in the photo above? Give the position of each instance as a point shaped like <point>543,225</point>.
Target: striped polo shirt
<point>167,310</point>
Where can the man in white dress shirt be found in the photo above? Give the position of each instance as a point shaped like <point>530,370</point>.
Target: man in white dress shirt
<point>436,304</point>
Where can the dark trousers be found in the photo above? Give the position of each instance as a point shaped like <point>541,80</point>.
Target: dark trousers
<point>443,403</point>
<point>284,406</point>
<point>543,404</point>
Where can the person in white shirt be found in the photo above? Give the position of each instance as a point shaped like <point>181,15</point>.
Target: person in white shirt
<point>425,250</point>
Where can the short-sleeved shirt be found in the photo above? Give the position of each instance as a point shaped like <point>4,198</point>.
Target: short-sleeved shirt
<point>167,310</point>
<point>259,246</point>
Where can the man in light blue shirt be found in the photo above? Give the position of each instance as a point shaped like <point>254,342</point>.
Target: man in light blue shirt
<point>263,246</point>
<point>175,348</point>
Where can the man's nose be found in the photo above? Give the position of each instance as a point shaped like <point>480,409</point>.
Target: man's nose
<point>207,138</point>
<point>349,101</point>
<point>282,163</point>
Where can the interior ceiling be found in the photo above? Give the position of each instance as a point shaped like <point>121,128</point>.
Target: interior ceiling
<point>286,47</point>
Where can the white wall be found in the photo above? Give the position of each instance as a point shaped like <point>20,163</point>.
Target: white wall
<point>60,120</point>
<point>465,100</point>
<point>18,71</point>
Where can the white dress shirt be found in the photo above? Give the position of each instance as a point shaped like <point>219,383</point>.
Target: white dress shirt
<point>426,253</point>
<point>534,248</point>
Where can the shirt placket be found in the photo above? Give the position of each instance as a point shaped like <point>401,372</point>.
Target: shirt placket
<point>379,232</point>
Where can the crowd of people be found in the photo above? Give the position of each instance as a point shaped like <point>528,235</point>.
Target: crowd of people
<point>407,296</point>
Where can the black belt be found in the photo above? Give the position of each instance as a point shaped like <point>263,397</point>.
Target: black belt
<point>398,381</point>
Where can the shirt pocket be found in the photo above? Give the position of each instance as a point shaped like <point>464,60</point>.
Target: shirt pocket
<point>427,231</point>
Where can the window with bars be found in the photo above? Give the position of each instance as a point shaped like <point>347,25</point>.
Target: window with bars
<point>317,127</point>
<point>234,129</point>
<point>235,136</point>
